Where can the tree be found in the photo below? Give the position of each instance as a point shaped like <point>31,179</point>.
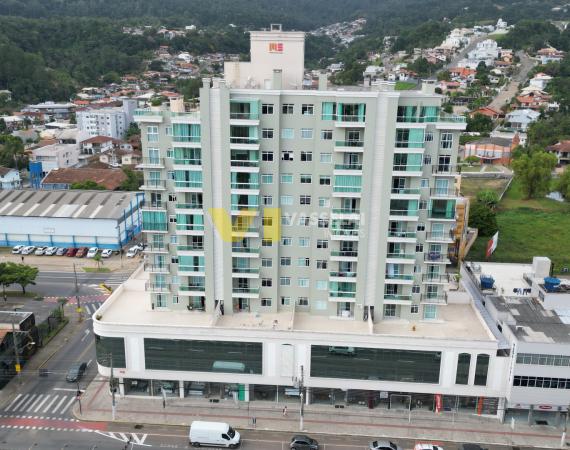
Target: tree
<point>6,277</point>
<point>563,184</point>
<point>12,152</point>
<point>3,126</point>
<point>488,197</point>
<point>98,259</point>
<point>156,65</point>
<point>472,160</point>
<point>87,184</point>
<point>133,182</point>
<point>22,274</point>
<point>133,130</point>
<point>483,218</point>
<point>535,173</point>
<point>479,123</point>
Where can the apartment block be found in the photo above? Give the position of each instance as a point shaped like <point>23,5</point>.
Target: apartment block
<point>109,121</point>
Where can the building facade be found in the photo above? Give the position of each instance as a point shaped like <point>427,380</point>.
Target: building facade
<point>111,122</point>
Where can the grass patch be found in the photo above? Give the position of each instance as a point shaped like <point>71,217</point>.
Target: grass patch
<point>19,294</point>
<point>97,270</point>
<point>527,228</point>
<point>470,186</point>
<point>404,85</point>
<point>470,169</point>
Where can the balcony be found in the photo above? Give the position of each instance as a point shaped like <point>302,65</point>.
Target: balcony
<point>451,122</point>
<point>402,236</point>
<point>401,258</point>
<point>405,194</point>
<point>182,269</point>
<point>400,277</point>
<point>348,167</point>
<point>193,141</point>
<point>156,268</point>
<point>438,214</point>
<point>192,288</point>
<point>396,298</point>
<point>152,163</point>
<point>349,146</point>
<point>153,185</point>
<point>244,163</point>
<point>154,227</point>
<point>435,278</point>
<point>154,207</point>
<point>244,116</point>
<point>250,186</point>
<point>346,211</point>
<point>336,274</point>
<point>157,287</point>
<point>185,117</point>
<point>404,215</point>
<point>246,292</point>
<point>148,116</point>
<point>238,140</point>
<point>254,252</point>
<point>410,144</point>
<point>190,248</point>
<point>350,120</point>
<point>444,237</point>
<point>430,299</point>
<point>407,170</point>
<point>156,248</point>
<point>444,192</point>
<point>245,270</point>
<point>436,258</point>
<point>347,189</point>
<point>449,170</point>
<point>188,185</point>
<point>190,227</point>
<point>187,162</point>
<point>344,255</point>
<point>194,205</point>
<point>245,207</point>
<point>342,296</point>
<point>342,233</point>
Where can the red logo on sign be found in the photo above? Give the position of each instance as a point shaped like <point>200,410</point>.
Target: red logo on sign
<point>276,47</point>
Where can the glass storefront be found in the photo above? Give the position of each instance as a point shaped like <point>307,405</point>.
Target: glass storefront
<point>108,348</point>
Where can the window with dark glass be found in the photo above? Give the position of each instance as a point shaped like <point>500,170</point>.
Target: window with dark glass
<point>481,369</point>
<point>463,363</point>
<point>110,349</point>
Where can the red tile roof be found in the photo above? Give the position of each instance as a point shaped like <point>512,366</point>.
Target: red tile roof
<point>111,179</point>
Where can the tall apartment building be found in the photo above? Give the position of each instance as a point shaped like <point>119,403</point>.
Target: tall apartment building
<point>289,231</point>
<point>111,121</point>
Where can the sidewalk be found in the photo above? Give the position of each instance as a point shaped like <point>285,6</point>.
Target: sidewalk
<point>96,406</point>
<point>65,264</point>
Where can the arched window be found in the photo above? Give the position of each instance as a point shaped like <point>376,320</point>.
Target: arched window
<point>481,370</point>
<point>463,364</point>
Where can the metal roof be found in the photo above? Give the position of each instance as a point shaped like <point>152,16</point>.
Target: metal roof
<point>74,204</point>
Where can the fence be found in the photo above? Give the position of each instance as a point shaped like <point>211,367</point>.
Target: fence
<point>51,326</point>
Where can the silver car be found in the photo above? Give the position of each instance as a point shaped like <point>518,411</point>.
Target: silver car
<point>384,445</point>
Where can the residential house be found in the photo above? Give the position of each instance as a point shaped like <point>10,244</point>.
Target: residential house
<point>107,121</point>
<point>9,178</point>
<point>53,110</point>
<point>56,156</point>
<point>111,179</point>
<point>462,73</point>
<point>520,119</point>
<point>96,145</point>
<point>534,100</point>
<point>486,51</point>
<point>549,54</point>
<point>492,150</point>
<point>562,152</point>
<point>487,111</point>
<point>540,80</point>
<point>121,157</point>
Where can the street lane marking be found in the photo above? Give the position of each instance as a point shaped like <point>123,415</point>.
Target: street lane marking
<point>51,403</point>
<point>68,405</point>
<point>23,406</point>
<point>65,389</point>
<point>89,363</point>
<point>35,402</point>
<point>58,405</point>
<point>12,402</point>
<point>21,402</point>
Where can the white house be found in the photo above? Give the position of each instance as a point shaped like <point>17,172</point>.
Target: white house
<point>540,80</point>
<point>9,178</point>
<point>520,119</point>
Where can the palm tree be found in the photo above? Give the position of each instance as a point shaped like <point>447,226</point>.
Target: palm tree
<point>99,260</point>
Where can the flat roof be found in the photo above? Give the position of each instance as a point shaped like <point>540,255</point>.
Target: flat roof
<point>76,204</point>
<point>131,306</point>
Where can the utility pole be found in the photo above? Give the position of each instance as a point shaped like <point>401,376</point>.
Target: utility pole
<point>113,389</point>
<point>79,398</point>
<point>76,292</point>
<point>16,351</point>
<point>563,437</point>
<point>75,275</point>
<point>302,397</point>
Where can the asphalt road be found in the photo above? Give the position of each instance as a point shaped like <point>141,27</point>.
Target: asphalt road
<point>62,283</point>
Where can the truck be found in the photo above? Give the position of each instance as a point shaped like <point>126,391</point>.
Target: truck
<point>213,434</point>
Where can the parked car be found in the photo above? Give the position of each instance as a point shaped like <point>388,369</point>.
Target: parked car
<point>71,251</point>
<point>50,251</point>
<point>471,447</point>
<point>303,442</point>
<point>427,447</point>
<point>40,251</point>
<point>345,351</point>
<point>17,249</point>
<point>76,371</point>
<point>28,250</point>
<point>213,434</point>
<point>92,252</point>
<point>384,445</point>
<point>140,246</point>
<point>61,251</point>
<point>106,253</point>
<point>81,252</point>
<point>133,251</point>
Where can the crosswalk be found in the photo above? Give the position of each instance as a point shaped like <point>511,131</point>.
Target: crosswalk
<point>90,308</point>
<point>117,278</point>
<point>50,404</point>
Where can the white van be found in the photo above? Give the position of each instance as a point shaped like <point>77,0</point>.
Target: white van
<point>213,434</point>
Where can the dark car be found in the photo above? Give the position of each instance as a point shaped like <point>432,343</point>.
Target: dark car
<point>303,442</point>
<point>76,371</point>
<point>471,447</point>
<point>81,252</point>
<point>71,251</point>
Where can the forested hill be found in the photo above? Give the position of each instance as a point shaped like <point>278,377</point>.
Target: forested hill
<point>298,14</point>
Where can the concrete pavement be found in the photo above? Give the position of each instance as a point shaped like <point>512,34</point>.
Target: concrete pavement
<point>352,421</point>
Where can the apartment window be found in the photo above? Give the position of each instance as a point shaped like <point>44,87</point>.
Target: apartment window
<point>326,158</point>
<point>306,178</point>
<point>160,301</point>
<point>287,108</point>
<point>265,302</point>
<point>286,155</point>
<point>285,301</point>
<point>414,309</point>
<point>172,219</point>
<point>304,221</point>
<point>462,372</point>
<point>267,200</point>
<point>169,153</point>
<point>266,262</point>
<point>446,140</point>
<point>306,133</point>
<point>285,261</point>
<point>322,243</point>
<point>421,226</point>
<point>307,156</point>
<point>304,199</point>
<point>419,248</point>
<point>168,131</point>
<point>266,178</point>
<point>322,264</point>
<point>286,178</point>
<point>325,180</point>
<point>307,109</point>
<point>481,369</point>
<point>424,183</point>
<point>266,282</point>
<point>267,133</point>
<point>326,135</point>
<point>304,242</point>
<point>285,281</point>
<point>174,239</point>
<point>323,223</point>
<point>174,260</point>
<point>267,221</point>
<point>322,285</point>
<point>430,312</point>
<point>287,133</point>
<point>427,160</point>
<point>417,268</point>
<point>423,205</point>
<point>303,301</point>
<point>267,108</point>
<point>286,200</point>
<point>304,262</point>
<point>389,310</point>
<point>429,136</point>
<point>303,282</point>
<point>415,289</point>
<point>175,300</point>
<point>286,241</point>
<point>286,220</point>
<point>267,156</point>
<point>324,202</point>
<point>152,133</point>
<point>267,242</point>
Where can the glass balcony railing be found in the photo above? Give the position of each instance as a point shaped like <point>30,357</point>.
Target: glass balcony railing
<point>244,115</point>
<point>395,276</point>
<point>187,184</point>
<point>406,191</point>
<point>155,226</point>
<point>348,166</point>
<point>244,140</point>
<point>343,232</point>
<point>346,211</point>
<point>351,118</point>
<point>441,236</point>
<point>152,162</point>
<point>186,114</point>
<point>148,112</point>
<point>435,299</point>
<point>197,288</point>
<point>404,212</point>
<point>409,144</point>
<point>441,214</point>
<point>188,162</point>
<point>245,269</point>
<point>402,234</point>
<point>347,188</point>
<point>436,277</point>
<point>156,248</point>
<point>192,139</point>
<point>443,192</point>
<point>154,184</point>
<point>347,253</point>
<point>156,268</point>
<point>189,206</point>
<point>397,297</point>
<point>157,287</point>
<point>190,227</point>
<point>349,143</point>
<point>245,290</point>
<point>246,250</point>
<point>401,255</point>
<point>245,185</point>
<point>342,294</point>
<point>343,274</point>
<point>154,206</point>
<point>190,248</point>
<point>182,268</point>
<point>244,163</point>
<point>444,169</point>
<point>436,257</point>
<point>451,119</point>
<point>407,167</point>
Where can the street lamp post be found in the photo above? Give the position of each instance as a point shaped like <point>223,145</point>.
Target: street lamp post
<point>16,350</point>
